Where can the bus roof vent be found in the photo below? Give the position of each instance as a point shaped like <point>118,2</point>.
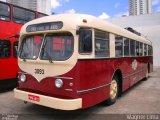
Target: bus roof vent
<point>133,31</point>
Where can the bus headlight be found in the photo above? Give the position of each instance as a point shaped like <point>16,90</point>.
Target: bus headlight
<point>58,83</point>
<point>23,78</point>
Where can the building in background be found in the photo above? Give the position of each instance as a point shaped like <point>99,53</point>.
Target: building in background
<point>138,7</point>
<point>43,6</point>
<point>148,25</point>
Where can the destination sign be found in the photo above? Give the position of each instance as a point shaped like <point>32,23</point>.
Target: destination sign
<point>45,26</point>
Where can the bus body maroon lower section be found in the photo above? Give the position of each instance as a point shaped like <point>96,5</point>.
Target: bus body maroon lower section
<point>91,79</point>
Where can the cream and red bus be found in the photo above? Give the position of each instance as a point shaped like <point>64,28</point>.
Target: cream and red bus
<point>75,61</point>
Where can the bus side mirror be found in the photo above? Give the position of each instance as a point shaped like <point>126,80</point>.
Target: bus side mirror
<point>15,36</point>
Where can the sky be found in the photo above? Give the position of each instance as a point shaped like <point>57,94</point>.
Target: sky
<point>100,8</point>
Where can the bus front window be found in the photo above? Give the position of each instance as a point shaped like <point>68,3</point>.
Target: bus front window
<point>57,47</point>
<point>30,47</point>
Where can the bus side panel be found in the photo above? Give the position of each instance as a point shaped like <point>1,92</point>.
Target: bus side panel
<point>93,74</point>
<point>96,73</point>
<point>134,70</point>
<point>9,66</point>
<point>140,72</point>
<point>125,68</point>
<point>89,78</point>
<point>8,69</point>
<point>151,63</point>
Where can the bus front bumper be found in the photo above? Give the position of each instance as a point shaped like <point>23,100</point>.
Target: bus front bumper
<point>56,103</point>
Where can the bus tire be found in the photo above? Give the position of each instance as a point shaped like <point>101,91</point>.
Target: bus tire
<point>114,91</point>
<point>147,73</point>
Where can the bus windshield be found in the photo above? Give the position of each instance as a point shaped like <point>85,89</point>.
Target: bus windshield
<point>4,12</point>
<point>30,47</point>
<point>57,47</point>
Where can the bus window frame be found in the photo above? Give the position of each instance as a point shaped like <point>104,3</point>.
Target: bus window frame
<point>150,48</point>
<point>21,43</point>
<point>132,40</point>
<point>38,13</point>
<point>14,49</point>
<point>44,43</point>
<point>92,43</point>
<point>129,54</point>
<point>10,46</point>
<point>23,9</point>
<point>144,49</point>
<point>9,12</point>
<point>116,35</point>
<point>137,50</point>
<point>141,52</point>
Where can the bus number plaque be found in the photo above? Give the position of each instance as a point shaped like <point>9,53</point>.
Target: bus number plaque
<point>39,71</point>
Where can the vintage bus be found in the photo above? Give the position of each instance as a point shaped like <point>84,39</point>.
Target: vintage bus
<point>75,61</point>
<point>11,20</point>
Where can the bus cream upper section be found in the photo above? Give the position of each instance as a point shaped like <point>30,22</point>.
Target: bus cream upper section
<point>72,21</point>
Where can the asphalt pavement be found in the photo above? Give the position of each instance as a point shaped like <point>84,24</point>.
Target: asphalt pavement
<point>143,99</point>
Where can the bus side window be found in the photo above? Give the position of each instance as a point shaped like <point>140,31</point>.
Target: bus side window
<point>141,49</point>
<point>132,47</point>
<point>85,41</point>
<point>119,46</point>
<point>150,51</point>
<point>145,50</point>
<point>101,43</point>
<point>126,47</point>
<point>4,12</point>
<point>137,49</point>
<point>15,49</point>
<point>5,49</point>
<point>21,15</point>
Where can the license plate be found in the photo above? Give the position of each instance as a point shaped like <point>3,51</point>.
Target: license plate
<point>34,98</point>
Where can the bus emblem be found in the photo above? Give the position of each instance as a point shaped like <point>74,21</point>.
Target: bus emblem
<point>134,64</point>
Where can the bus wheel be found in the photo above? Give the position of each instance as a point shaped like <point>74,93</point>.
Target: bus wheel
<point>147,74</point>
<point>114,89</point>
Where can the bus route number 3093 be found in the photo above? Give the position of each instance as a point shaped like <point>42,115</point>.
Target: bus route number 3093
<point>39,71</point>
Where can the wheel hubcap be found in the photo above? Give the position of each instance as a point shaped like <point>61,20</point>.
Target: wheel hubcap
<point>113,89</point>
<point>147,73</point>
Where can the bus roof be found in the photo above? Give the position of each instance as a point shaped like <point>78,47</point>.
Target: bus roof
<point>72,21</point>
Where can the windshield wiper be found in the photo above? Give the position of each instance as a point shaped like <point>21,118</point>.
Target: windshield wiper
<point>48,55</point>
<point>50,58</point>
<point>43,51</point>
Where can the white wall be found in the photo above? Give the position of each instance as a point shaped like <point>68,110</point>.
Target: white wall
<point>148,25</point>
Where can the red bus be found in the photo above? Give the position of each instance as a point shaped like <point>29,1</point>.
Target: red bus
<point>75,61</point>
<point>11,20</point>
